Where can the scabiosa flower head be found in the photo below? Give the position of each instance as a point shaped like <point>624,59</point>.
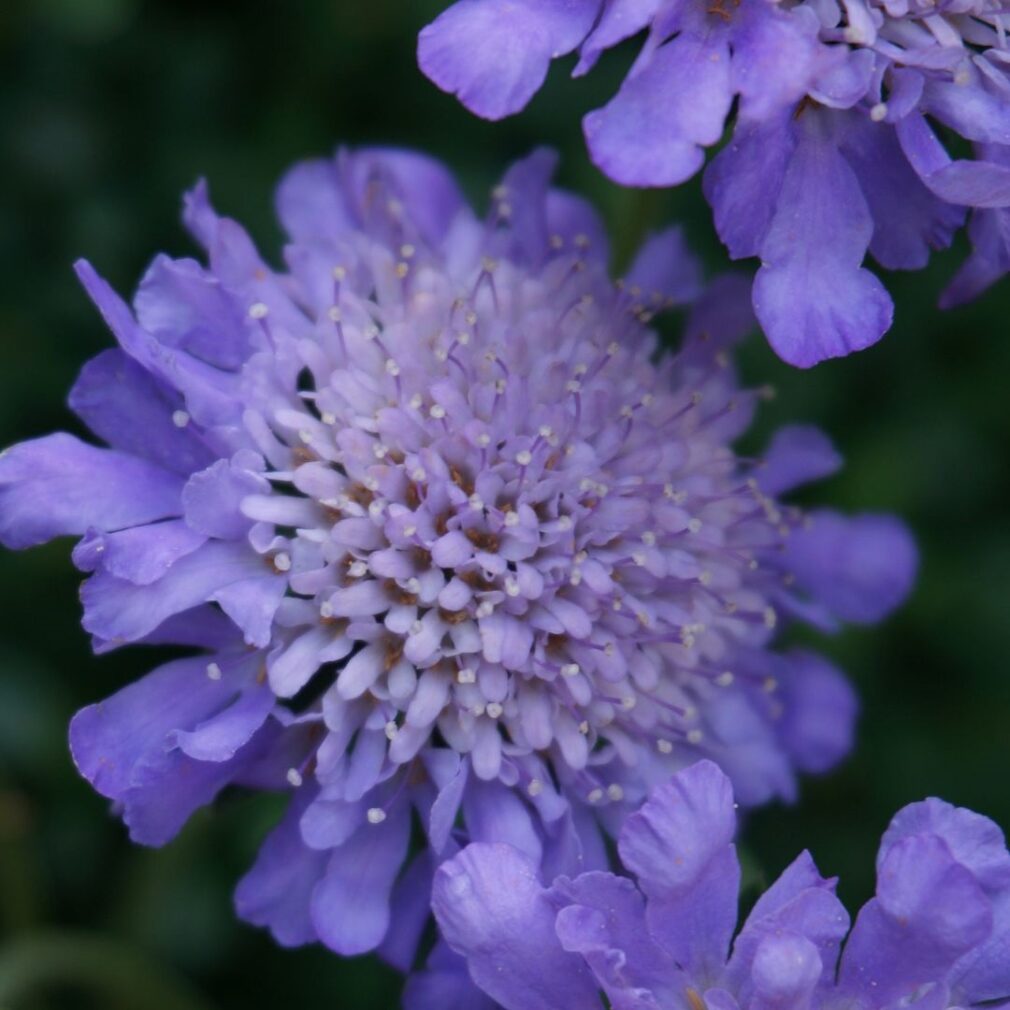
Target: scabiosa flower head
<point>831,153</point>
<point>934,936</point>
<point>453,544</point>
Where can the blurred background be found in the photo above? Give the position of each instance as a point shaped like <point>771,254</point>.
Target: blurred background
<point>109,109</point>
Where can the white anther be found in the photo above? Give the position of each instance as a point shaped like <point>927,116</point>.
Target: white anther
<point>769,685</point>
<point>486,609</point>
<point>416,401</point>
<point>376,815</point>
<point>511,586</point>
<point>334,313</point>
<point>639,558</point>
<point>282,561</point>
<point>627,410</point>
<point>370,332</point>
<point>407,250</point>
<point>213,671</point>
<point>258,310</point>
<point>571,670</point>
<point>376,508</point>
<point>647,399</point>
<point>575,578</point>
<point>511,518</point>
<point>705,578</point>
<point>356,569</point>
<point>409,531</point>
<point>584,728</point>
<point>694,526</point>
<point>294,777</point>
<point>535,787</point>
<point>413,585</point>
<point>615,792</point>
<point>476,502</point>
<point>326,609</point>
<point>305,435</point>
<point>462,338</point>
<point>770,618</point>
<point>437,411</point>
<point>499,386</point>
<point>664,746</point>
<point>180,418</point>
<point>725,678</point>
<point>879,112</point>
<point>565,523</point>
<point>328,418</point>
<point>371,483</point>
<point>581,369</point>
<point>467,675</point>
<point>595,795</point>
<point>418,474</point>
<point>628,702</point>
<point>483,439</point>
<point>613,347</point>
<point>649,538</point>
<point>392,368</point>
<point>545,431</point>
<point>416,628</point>
<point>524,457</point>
<point>379,450</point>
<point>573,386</point>
<point>494,710</point>
<point>391,729</point>
<point>339,273</point>
<point>441,354</point>
<point>478,709</point>
<point>695,736</point>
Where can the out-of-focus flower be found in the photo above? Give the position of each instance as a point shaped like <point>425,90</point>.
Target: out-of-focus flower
<point>451,542</point>
<point>831,152</point>
<point>935,936</point>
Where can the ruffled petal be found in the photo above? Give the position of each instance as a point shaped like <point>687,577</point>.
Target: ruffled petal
<point>130,410</point>
<point>350,904</point>
<point>860,568</point>
<point>58,485</point>
<point>494,54</point>
<point>797,455</point>
<point>652,133</point>
<point>929,910</point>
<point>811,295</point>
<point>277,890</point>
<point>492,909</point>
<point>679,845</point>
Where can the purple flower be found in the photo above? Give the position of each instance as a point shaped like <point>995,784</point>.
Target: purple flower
<point>441,538</point>
<point>936,935</point>
<point>831,154</point>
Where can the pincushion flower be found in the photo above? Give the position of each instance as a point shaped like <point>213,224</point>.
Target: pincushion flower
<point>447,540</point>
<point>831,152</point>
<point>936,935</point>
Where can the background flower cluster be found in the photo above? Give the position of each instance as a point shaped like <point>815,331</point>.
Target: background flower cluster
<point>109,112</point>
